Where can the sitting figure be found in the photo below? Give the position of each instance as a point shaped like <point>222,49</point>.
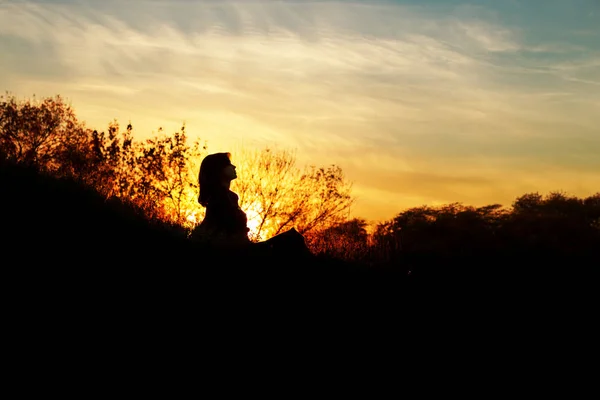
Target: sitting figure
<point>225,224</point>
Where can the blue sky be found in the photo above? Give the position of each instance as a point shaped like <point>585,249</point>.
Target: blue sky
<point>419,102</point>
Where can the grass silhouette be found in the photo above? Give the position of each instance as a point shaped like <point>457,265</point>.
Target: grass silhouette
<point>65,239</point>
<point>94,278</point>
<point>66,245</point>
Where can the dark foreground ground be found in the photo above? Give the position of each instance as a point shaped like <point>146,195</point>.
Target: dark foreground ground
<point>62,239</point>
<point>95,295</point>
<point>66,248</point>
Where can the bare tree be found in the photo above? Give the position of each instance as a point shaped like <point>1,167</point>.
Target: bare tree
<point>277,195</point>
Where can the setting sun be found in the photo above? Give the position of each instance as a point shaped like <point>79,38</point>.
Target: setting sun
<point>253,212</point>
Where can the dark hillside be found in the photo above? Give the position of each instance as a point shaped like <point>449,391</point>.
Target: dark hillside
<point>63,239</point>
<point>93,279</point>
<point>65,244</point>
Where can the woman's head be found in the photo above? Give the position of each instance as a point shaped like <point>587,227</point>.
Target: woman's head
<point>215,171</point>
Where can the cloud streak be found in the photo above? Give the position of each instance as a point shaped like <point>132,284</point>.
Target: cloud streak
<point>411,102</point>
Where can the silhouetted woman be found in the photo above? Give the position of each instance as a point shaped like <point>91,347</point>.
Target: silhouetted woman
<point>225,224</point>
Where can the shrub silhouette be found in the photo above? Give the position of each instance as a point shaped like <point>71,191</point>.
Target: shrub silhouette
<point>160,174</point>
<point>555,234</point>
<point>69,189</point>
<point>62,233</point>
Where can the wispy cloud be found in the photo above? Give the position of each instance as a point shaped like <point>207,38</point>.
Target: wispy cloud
<point>410,101</point>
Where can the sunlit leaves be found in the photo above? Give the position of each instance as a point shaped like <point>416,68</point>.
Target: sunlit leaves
<point>35,131</point>
<point>159,174</point>
<point>279,195</point>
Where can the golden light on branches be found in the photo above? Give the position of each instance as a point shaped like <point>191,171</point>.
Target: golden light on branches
<point>159,175</point>
<point>254,212</point>
<point>281,195</point>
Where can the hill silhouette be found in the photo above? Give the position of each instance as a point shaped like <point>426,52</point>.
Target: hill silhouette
<point>66,245</point>
<point>71,216</point>
<point>64,237</point>
<point>94,278</point>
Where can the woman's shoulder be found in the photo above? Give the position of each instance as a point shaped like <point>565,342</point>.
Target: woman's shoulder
<point>232,195</point>
<point>219,193</point>
<point>223,195</point>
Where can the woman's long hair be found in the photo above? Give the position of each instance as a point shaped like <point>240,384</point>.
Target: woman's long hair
<point>209,177</point>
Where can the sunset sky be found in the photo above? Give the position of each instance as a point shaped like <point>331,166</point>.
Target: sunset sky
<point>419,102</point>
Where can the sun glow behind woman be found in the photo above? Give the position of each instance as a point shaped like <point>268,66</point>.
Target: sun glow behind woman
<point>253,212</point>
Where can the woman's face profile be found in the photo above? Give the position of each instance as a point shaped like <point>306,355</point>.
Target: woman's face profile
<point>229,172</point>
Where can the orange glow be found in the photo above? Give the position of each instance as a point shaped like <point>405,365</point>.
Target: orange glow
<point>192,219</point>
<point>192,214</point>
<point>253,213</point>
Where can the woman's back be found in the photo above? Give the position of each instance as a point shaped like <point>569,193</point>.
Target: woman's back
<point>224,223</point>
